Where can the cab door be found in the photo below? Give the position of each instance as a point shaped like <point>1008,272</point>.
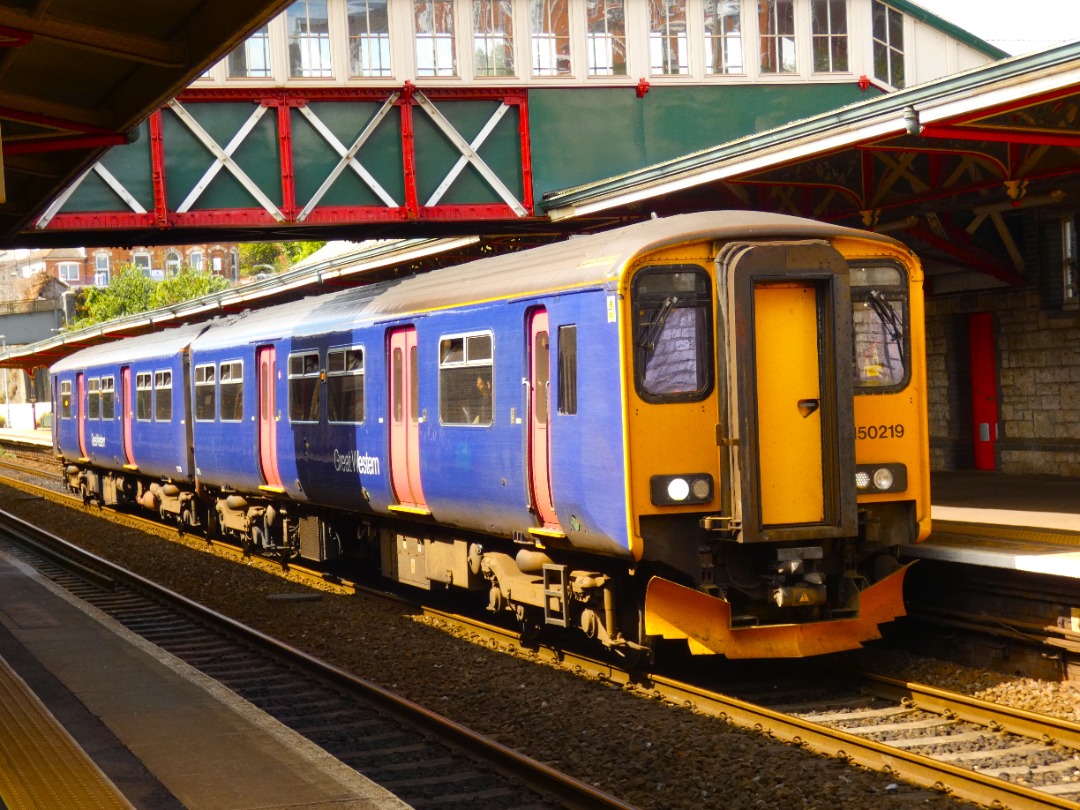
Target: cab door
<point>539,434</point>
<point>266,366</point>
<point>788,354</point>
<point>404,401</point>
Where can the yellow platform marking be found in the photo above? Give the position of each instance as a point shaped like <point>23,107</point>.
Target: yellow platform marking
<point>40,764</point>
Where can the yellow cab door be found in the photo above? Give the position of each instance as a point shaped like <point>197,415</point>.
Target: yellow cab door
<point>790,450</point>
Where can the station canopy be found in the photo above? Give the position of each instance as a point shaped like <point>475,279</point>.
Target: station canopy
<point>78,76</point>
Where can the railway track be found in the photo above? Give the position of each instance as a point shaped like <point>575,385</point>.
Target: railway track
<point>968,749</point>
<point>420,756</point>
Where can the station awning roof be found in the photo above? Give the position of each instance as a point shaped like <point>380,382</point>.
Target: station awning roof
<point>936,164</point>
<point>77,76</point>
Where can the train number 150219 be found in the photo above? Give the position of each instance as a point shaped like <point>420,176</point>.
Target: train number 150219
<point>879,432</point>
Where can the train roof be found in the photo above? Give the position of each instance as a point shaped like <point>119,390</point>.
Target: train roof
<point>577,262</point>
<point>164,344</point>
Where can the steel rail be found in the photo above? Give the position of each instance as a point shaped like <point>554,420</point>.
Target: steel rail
<point>915,768</point>
<point>1048,729</point>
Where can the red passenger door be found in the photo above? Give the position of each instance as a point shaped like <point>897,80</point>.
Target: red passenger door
<point>405,422</point>
<point>265,360</point>
<point>539,471</point>
<point>126,410</point>
<point>984,384</point>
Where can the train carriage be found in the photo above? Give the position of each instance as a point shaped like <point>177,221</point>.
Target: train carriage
<point>708,428</point>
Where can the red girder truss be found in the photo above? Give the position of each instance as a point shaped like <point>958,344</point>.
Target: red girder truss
<point>281,101</point>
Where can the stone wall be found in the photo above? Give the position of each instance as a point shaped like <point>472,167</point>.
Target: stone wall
<point>1038,352</point>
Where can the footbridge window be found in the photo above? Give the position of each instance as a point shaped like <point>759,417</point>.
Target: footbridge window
<point>369,38</point>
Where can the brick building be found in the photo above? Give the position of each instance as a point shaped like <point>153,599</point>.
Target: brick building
<point>84,267</point>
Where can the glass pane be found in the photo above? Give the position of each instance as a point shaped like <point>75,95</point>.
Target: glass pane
<point>568,369</point>
<point>493,38</point>
<point>414,383</point>
<point>723,37</point>
<point>369,38</point>
<point>309,39</point>
<point>675,364</point>
<point>668,41</point>
<point>435,51</point>
<point>252,59</point>
<point>605,37</point>
<point>398,386</point>
<point>550,30</point>
<point>543,376</point>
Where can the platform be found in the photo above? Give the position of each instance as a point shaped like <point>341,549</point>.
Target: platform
<point>1026,523</point>
<point>128,725</point>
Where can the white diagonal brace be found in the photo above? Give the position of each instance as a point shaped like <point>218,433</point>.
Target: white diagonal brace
<point>55,206</point>
<point>118,187</point>
<point>477,142</point>
<point>470,154</point>
<point>224,158</point>
<point>110,180</point>
<point>348,156</point>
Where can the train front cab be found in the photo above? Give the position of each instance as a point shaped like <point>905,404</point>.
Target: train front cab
<point>748,435</point>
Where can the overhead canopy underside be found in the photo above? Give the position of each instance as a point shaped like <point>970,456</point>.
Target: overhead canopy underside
<point>77,76</point>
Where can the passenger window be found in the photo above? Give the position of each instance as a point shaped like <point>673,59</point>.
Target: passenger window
<point>143,396</point>
<point>231,382</point>
<point>672,311</point>
<point>163,396</point>
<point>108,398</point>
<point>65,399</point>
<point>465,379</point>
<point>345,385</point>
<point>93,398</point>
<point>205,393</point>
<point>567,369</point>
<point>304,378</point>
<point>879,304</point>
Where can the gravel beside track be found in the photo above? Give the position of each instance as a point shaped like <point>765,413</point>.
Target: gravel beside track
<point>648,753</point>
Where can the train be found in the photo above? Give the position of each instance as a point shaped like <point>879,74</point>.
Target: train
<point>707,429</point>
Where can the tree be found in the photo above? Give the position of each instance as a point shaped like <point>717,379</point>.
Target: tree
<point>257,257</point>
<point>130,292</point>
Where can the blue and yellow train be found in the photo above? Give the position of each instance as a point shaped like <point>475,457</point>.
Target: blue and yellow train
<point>707,427</point>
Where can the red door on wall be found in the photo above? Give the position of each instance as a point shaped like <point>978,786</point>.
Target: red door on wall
<point>984,389</point>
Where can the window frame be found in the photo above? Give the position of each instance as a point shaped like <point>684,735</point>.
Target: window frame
<point>204,386</point>
<point>434,67</point>
<point>902,292</point>
<point>67,401</point>
<point>93,398</point>
<point>830,38</point>
<point>660,34</point>
<point>108,398</point>
<point>306,397</point>
<point>63,272</point>
<point>890,49</point>
<point>234,366</point>
<point>448,369</point>
<point>775,35</point>
<point>333,375</point>
<point>144,396</point>
<point>163,381</point>
<point>701,298</point>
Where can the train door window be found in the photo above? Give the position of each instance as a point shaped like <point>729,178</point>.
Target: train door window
<point>345,385</point>
<point>144,393</point>
<point>304,381</point>
<point>93,398</point>
<point>879,302</point>
<point>231,390</point>
<point>108,397</point>
<point>465,379</point>
<point>399,387</point>
<point>205,393</point>
<point>163,396</point>
<point>672,312</point>
<point>65,399</point>
<point>568,369</point>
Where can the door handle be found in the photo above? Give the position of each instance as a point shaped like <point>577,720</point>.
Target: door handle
<point>808,406</point>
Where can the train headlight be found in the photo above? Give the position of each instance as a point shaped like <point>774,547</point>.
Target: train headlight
<point>672,490</point>
<point>880,478</point>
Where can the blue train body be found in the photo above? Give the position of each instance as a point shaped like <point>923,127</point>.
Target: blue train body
<point>494,427</point>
